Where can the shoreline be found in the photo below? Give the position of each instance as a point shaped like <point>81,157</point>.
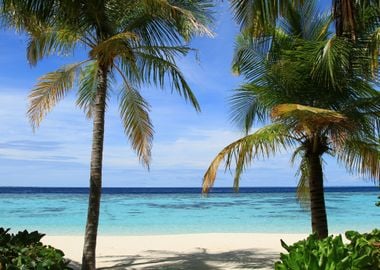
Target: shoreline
<point>180,251</point>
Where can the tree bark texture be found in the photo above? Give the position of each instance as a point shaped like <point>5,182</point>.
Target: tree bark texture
<point>89,249</point>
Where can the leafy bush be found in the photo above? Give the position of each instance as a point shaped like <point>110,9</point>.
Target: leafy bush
<point>25,251</point>
<point>362,253</point>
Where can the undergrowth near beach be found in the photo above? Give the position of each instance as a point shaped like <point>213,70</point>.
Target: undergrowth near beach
<point>24,250</point>
<point>331,253</point>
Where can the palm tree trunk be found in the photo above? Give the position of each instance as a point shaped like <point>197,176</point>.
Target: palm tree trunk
<point>344,15</point>
<point>317,197</point>
<point>89,250</point>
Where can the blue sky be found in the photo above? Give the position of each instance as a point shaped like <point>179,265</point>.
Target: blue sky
<point>58,153</point>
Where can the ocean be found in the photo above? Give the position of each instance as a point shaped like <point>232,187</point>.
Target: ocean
<point>142,211</point>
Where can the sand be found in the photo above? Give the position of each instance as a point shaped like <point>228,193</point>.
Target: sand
<point>187,251</point>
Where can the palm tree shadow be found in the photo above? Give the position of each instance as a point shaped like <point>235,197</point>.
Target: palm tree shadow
<point>200,260</point>
<point>74,265</point>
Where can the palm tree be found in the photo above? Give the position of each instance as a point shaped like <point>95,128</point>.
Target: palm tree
<point>137,41</point>
<point>316,92</point>
<point>259,17</point>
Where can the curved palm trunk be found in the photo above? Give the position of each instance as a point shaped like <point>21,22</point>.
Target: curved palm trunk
<point>89,254</point>
<point>317,197</point>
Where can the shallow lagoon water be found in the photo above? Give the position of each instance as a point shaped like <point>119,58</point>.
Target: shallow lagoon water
<point>175,211</point>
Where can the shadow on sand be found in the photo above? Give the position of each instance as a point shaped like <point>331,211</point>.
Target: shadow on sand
<point>199,260</point>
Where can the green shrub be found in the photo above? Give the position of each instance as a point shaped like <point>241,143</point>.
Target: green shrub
<point>362,253</point>
<point>24,250</point>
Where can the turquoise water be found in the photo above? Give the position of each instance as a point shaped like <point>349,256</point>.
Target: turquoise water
<point>186,212</point>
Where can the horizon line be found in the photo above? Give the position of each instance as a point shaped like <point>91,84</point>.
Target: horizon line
<point>375,186</point>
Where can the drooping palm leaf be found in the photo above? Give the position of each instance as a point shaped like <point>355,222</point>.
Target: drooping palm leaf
<point>161,71</point>
<point>261,144</point>
<point>246,107</point>
<point>50,89</point>
<point>88,85</point>
<point>134,112</point>
<point>361,156</point>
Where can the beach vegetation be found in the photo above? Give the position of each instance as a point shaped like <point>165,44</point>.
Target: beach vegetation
<point>24,250</point>
<point>316,93</point>
<point>133,42</point>
<point>361,253</point>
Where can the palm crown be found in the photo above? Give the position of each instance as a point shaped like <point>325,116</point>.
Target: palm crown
<point>315,89</point>
<point>137,41</point>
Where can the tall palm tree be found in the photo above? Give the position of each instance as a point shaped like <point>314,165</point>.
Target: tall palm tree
<point>137,41</point>
<point>316,93</point>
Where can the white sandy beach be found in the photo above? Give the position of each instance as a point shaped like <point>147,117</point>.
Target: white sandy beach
<point>188,251</point>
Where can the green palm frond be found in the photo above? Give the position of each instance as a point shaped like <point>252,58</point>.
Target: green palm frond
<point>44,42</point>
<point>42,8</point>
<point>246,107</point>
<point>134,112</point>
<point>154,21</point>
<point>303,188</point>
<point>332,61</point>
<point>259,17</point>
<point>250,57</point>
<point>361,156</point>
<point>160,71</point>
<point>88,85</point>
<point>261,144</point>
<point>181,15</point>
<point>305,21</point>
<point>49,90</point>
<point>170,53</point>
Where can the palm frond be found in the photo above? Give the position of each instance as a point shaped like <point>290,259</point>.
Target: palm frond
<point>246,107</point>
<point>308,118</point>
<point>45,41</point>
<point>332,62</point>
<point>50,89</point>
<point>259,17</point>
<point>182,15</point>
<point>134,112</point>
<point>157,70</point>
<point>162,22</point>
<point>251,56</point>
<point>261,144</point>
<point>303,188</point>
<point>117,45</point>
<point>361,156</point>
<point>88,85</point>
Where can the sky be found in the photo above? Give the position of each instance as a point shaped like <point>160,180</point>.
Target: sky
<point>185,142</point>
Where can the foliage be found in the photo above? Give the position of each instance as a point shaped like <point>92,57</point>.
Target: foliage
<point>259,17</point>
<point>25,251</point>
<point>361,253</point>
<point>135,41</point>
<point>317,89</point>
<point>378,203</point>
